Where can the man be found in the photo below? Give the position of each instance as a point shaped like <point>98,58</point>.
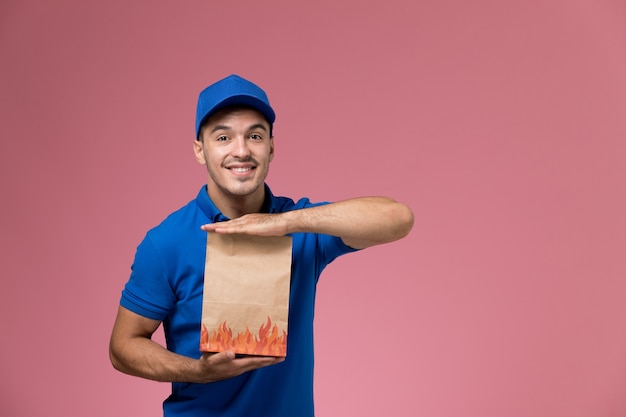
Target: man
<point>234,140</point>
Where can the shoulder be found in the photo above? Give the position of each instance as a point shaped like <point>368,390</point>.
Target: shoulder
<point>173,221</point>
<point>179,227</point>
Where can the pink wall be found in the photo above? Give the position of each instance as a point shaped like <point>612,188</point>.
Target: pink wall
<point>502,125</point>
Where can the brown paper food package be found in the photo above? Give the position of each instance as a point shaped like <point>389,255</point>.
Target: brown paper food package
<point>245,304</point>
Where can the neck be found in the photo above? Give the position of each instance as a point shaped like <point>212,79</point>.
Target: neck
<point>233,206</point>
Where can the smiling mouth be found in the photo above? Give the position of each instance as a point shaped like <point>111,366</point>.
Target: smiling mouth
<point>241,170</point>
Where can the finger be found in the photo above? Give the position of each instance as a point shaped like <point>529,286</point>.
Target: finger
<point>222,227</point>
<point>255,362</point>
<point>233,229</point>
<point>221,357</point>
<point>208,227</point>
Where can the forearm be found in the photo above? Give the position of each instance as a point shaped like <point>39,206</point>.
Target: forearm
<point>133,351</point>
<point>359,222</point>
<point>140,356</point>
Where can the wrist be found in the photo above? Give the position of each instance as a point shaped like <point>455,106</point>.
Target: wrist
<point>295,221</point>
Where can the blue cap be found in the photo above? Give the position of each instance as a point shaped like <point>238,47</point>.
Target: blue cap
<point>232,91</point>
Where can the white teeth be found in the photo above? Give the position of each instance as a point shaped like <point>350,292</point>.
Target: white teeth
<point>241,170</point>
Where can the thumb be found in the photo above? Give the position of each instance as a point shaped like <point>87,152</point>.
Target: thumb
<point>223,357</point>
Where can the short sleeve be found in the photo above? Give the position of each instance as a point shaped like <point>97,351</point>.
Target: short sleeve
<point>148,291</point>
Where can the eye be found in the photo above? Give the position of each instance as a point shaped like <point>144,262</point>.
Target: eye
<point>256,136</point>
<point>222,138</point>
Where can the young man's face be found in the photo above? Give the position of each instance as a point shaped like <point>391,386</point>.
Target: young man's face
<point>236,147</point>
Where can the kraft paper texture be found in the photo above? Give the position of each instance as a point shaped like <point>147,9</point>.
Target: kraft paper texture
<point>245,303</point>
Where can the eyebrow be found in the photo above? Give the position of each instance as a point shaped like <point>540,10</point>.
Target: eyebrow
<point>219,127</point>
<point>252,127</point>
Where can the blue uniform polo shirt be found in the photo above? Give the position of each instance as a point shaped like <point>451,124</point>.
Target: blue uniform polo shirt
<point>166,284</point>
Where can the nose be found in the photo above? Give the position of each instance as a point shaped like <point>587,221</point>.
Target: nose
<point>240,148</point>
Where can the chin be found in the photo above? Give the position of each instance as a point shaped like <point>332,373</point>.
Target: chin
<point>244,190</point>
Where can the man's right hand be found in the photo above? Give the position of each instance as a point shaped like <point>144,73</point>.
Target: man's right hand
<point>224,365</point>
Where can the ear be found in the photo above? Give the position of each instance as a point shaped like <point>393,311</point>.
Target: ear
<point>271,148</point>
<point>198,150</point>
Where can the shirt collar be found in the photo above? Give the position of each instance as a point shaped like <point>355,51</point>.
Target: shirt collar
<point>215,215</point>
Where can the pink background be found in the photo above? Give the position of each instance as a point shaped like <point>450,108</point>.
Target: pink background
<point>502,124</point>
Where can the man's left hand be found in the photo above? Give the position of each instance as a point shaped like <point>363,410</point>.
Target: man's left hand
<point>260,224</point>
